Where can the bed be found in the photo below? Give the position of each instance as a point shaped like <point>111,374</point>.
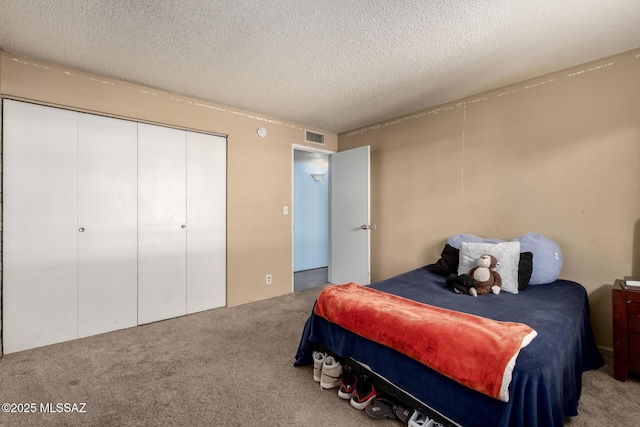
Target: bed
<point>546,381</point>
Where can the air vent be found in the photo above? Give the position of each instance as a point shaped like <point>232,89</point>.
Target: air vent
<point>315,137</point>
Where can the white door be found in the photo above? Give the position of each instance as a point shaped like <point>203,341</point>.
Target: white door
<point>206,221</point>
<point>162,222</point>
<point>40,234</point>
<point>107,224</point>
<point>349,221</point>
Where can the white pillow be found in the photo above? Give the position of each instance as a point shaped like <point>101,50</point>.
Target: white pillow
<point>507,254</point>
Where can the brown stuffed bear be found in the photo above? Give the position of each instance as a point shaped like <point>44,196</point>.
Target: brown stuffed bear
<point>487,280</point>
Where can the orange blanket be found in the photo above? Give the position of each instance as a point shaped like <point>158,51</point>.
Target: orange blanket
<point>477,352</point>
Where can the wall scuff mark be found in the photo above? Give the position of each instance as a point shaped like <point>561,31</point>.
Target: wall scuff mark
<point>539,84</point>
<point>590,69</point>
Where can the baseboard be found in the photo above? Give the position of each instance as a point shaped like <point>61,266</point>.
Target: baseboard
<point>603,348</point>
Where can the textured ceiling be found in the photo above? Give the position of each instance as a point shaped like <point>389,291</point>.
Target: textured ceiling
<point>335,65</point>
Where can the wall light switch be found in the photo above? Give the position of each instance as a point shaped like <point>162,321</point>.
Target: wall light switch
<point>285,210</point>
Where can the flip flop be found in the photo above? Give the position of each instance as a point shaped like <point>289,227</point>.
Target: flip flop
<point>403,413</point>
<point>382,408</point>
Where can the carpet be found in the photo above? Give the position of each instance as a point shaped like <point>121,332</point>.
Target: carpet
<point>230,366</point>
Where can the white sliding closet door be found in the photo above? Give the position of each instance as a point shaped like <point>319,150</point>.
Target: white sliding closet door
<point>107,224</point>
<point>162,286</point>
<point>40,234</point>
<point>206,221</point>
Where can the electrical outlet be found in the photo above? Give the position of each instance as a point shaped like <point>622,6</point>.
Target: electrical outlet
<point>269,279</point>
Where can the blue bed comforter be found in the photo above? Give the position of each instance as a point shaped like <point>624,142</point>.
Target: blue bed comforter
<point>547,379</point>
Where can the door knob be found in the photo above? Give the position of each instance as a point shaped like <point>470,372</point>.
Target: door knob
<point>183,226</point>
<point>368,227</point>
<point>81,229</point>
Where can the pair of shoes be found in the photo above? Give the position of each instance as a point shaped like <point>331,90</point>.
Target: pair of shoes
<point>348,381</point>
<point>364,393</point>
<point>326,370</point>
<point>418,419</point>
<point>318,360</point>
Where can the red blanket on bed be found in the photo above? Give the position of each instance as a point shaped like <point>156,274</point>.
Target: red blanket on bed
<point>475,351</point>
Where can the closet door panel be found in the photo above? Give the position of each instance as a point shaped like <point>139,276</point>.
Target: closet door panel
<point>161,223</point>
<point>206,221</point>
<point>107,224</point>
<point>39,225</point>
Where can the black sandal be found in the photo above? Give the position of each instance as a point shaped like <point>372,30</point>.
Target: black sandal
<point>382,408</point>
<point>403,413</point>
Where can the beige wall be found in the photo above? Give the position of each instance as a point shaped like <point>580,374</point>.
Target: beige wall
<point>259,171</point>
<point>0,197</point>
<point>558,155</point>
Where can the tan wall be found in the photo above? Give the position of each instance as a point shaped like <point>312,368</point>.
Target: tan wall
<point>259,171</point>
<point>0,197</point>
<point>558,155</point>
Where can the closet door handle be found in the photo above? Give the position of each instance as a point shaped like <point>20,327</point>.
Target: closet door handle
<point>183,226</point>
<point>81,229</point>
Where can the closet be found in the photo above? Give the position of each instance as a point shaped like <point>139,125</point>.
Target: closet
<point>107,224</point>
<point>182,214</point>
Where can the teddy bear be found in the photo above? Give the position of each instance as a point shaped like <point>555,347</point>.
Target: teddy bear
<point>486,278</point>
<point>462,284</point>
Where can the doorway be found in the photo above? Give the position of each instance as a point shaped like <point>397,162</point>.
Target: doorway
<point>310,218</point>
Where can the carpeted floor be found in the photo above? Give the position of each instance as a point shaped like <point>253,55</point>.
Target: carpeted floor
<point>224,367</point>
<point>310,278</point>
<point>605,401</point>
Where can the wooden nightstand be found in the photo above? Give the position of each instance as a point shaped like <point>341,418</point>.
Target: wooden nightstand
<point>626,331</point>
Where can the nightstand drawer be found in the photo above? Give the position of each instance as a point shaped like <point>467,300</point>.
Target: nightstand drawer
<point>633,316</point>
